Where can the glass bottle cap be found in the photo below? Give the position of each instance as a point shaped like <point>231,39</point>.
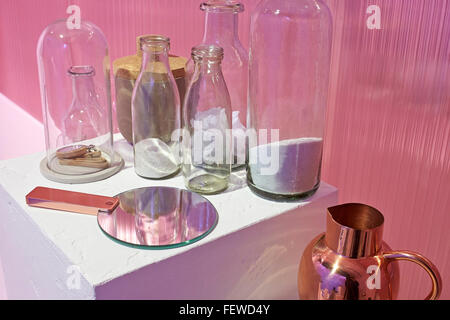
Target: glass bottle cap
<point>222,6</point>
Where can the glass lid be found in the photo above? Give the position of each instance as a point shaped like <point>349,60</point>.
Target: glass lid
<point>159,218</point>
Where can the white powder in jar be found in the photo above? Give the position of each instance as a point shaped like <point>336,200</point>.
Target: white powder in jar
<point>287,167</point>
<point>155,159</point>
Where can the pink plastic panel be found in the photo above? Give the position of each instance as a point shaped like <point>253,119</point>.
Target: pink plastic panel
<point>388,138</point>
<point>388,131</point>
<point>22,21</point>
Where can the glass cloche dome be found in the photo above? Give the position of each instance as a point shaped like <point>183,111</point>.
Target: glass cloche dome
<point>74,72</point>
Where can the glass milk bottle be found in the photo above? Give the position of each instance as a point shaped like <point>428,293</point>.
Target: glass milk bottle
<point>290,49</point>
<point>207,124</point>
<point>155,112</point>
<point>221,29</point>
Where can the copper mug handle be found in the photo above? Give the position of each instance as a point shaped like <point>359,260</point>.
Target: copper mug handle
<point>426,264</point>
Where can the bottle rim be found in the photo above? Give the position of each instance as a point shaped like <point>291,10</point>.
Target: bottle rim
<point>222,6</point>
<point>210,52</point>
<point>80,71</point>
<point>154,40</point>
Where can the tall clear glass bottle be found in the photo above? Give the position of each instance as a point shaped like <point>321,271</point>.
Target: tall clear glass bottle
<point>290,50</point>
<point>221,29</point>
<point>207,124</point>
<point>155,112</point>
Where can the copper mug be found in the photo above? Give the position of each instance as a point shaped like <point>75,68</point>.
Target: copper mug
<point>350,261</point>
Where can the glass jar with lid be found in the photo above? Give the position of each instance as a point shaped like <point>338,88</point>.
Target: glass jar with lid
<point>74,75</point>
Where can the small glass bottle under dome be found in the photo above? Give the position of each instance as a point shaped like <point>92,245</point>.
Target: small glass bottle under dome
<point>74,73</point>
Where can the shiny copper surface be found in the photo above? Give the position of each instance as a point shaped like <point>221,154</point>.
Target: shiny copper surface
<point>70,201</point>
<point>354,230</point>
<point>351,262</point>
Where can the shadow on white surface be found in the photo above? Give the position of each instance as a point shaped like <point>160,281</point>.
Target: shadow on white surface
<point>20,133</point>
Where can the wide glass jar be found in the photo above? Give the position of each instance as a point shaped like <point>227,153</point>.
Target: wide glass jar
<point>74,73</point>
<point>290,50</point>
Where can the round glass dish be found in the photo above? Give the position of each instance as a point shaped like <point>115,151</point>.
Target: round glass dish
<point>159,218</point>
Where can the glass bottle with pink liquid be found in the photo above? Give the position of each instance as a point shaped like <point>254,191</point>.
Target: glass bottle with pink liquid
<point>290,50</point>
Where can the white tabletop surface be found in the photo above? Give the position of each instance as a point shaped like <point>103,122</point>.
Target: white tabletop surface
<point>100,259</point>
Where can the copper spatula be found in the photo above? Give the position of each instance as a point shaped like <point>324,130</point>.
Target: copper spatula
<point>70,201</point>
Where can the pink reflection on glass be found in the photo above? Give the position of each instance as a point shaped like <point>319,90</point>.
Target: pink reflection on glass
<point>159,217</point>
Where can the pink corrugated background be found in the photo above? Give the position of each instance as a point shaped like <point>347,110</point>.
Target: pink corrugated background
<point>388,129</point>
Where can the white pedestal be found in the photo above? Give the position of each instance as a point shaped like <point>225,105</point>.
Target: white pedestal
<point>253,253</point>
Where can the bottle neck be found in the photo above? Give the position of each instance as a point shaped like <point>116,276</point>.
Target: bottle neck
<point>155,60</point>
<point>83,89</point>
<point>220,28</point>
<point>208,67</point>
